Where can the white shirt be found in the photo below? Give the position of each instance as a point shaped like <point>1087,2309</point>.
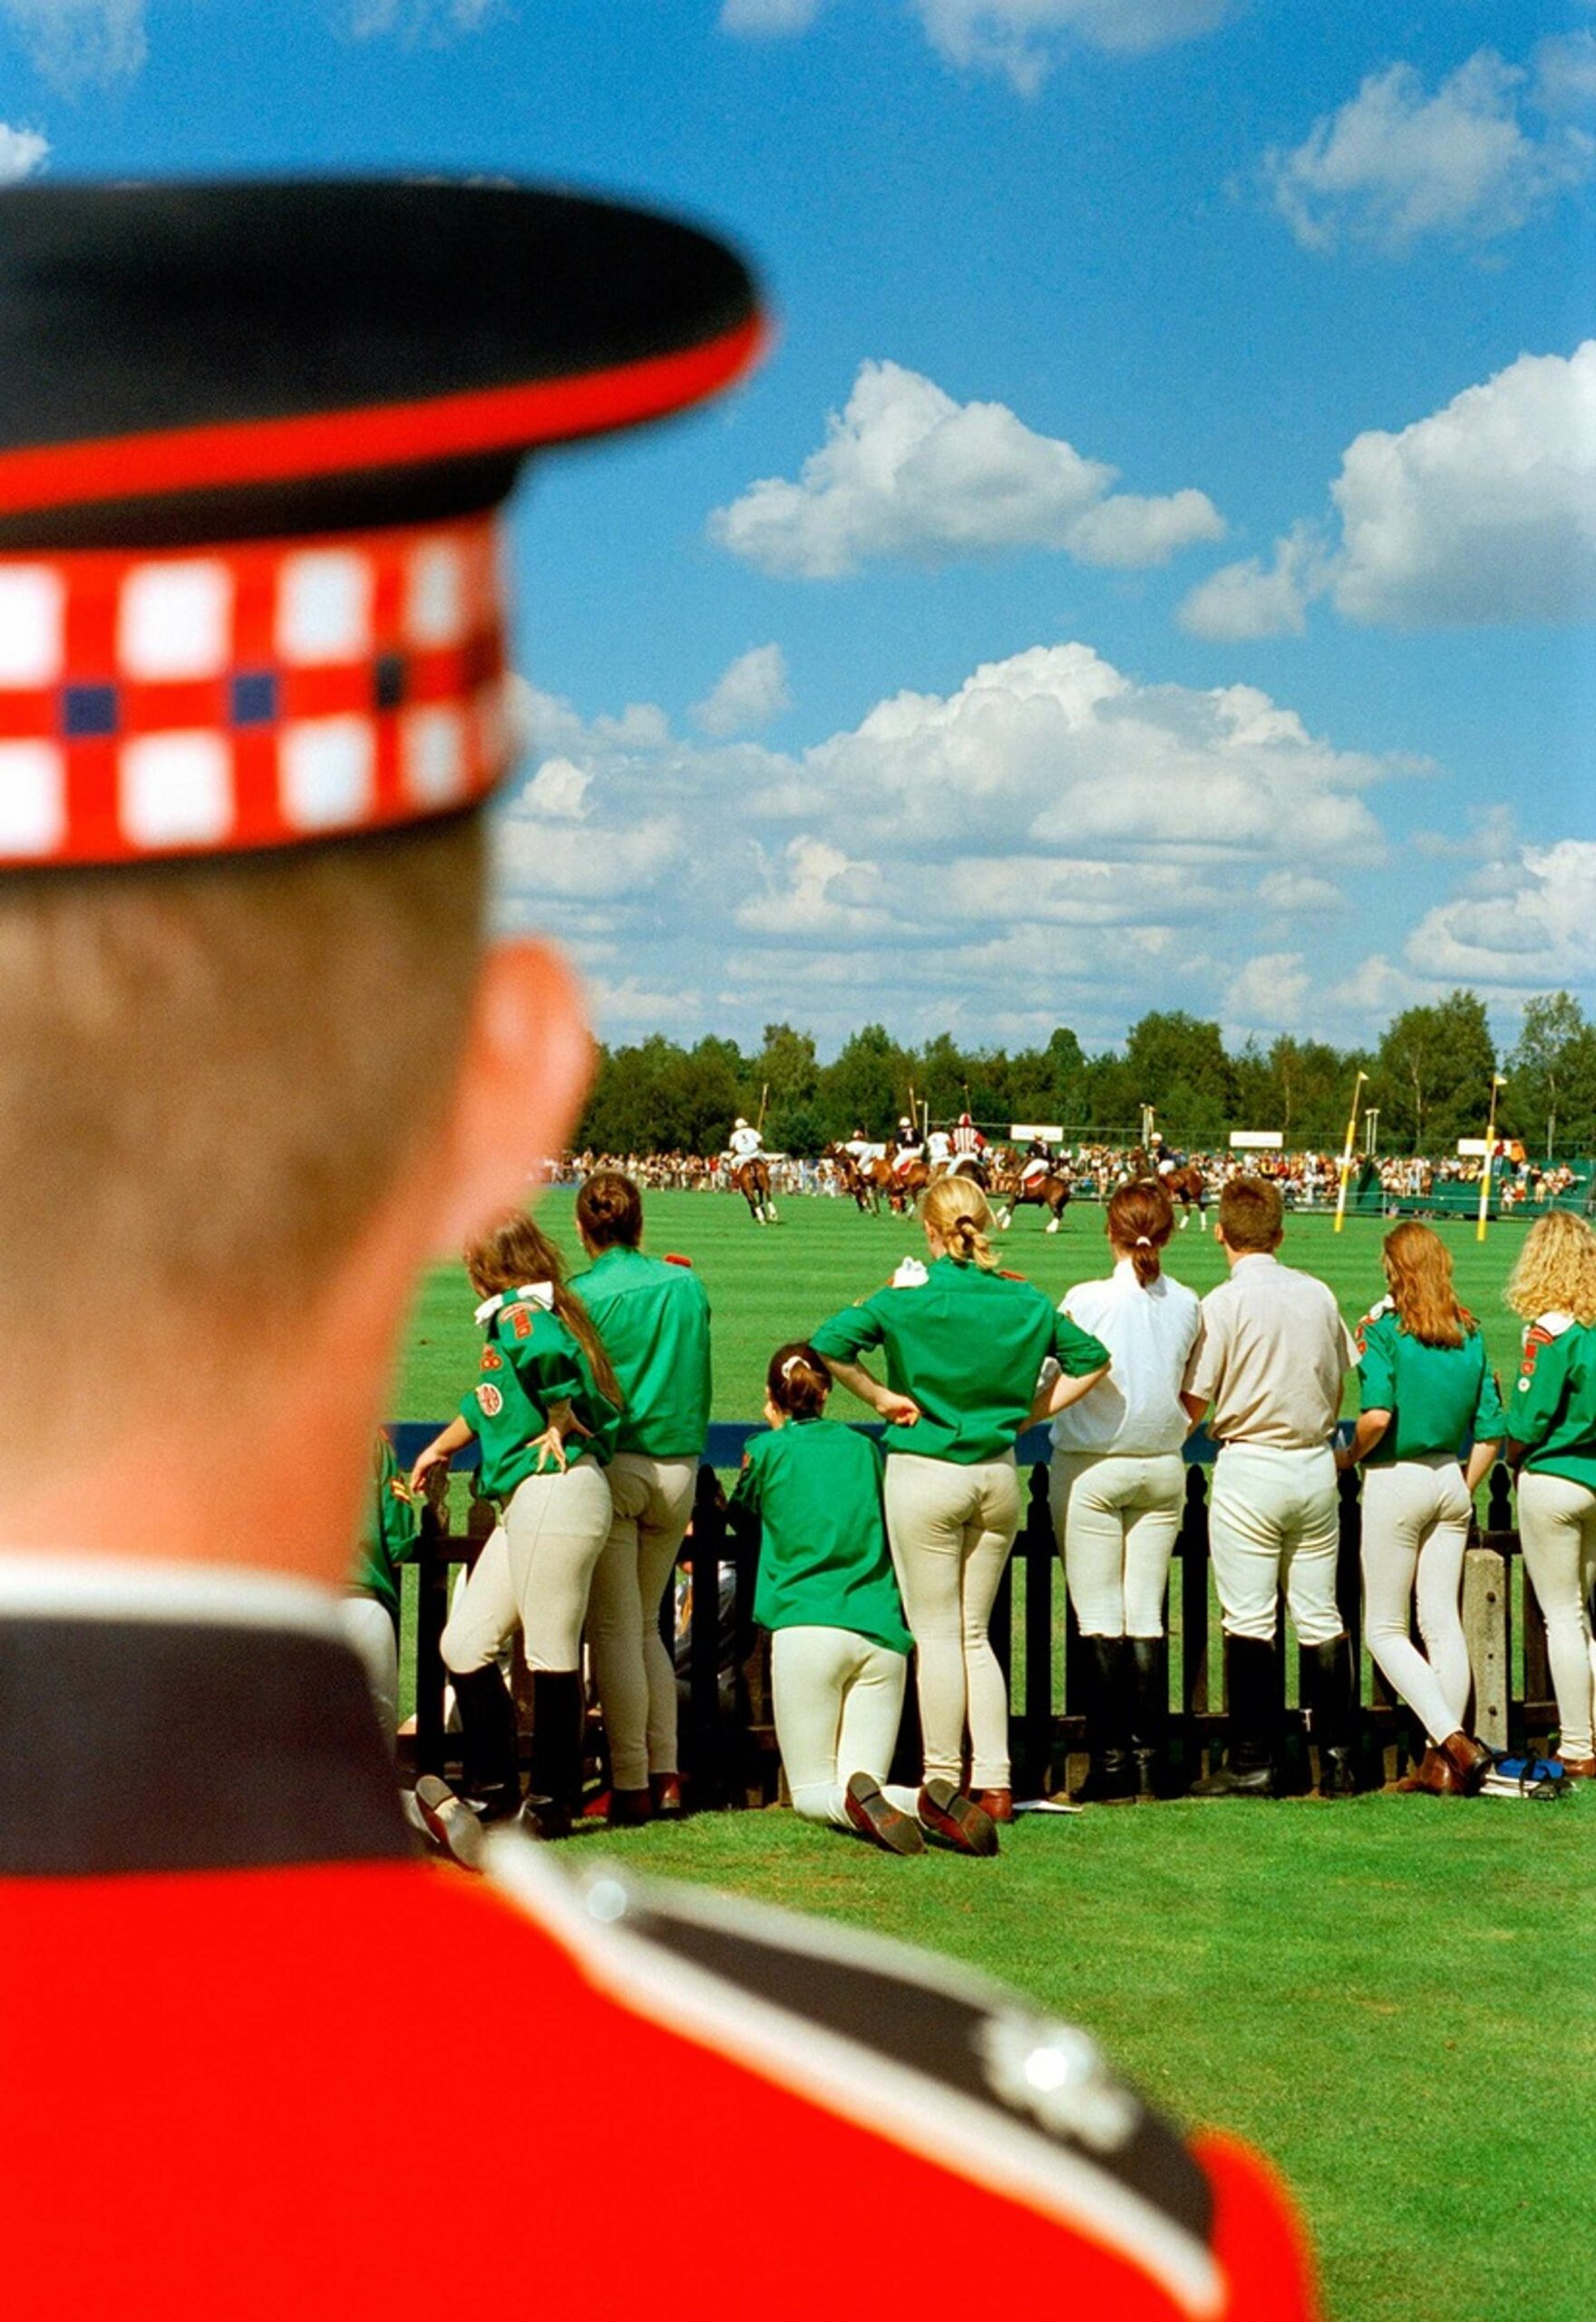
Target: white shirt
<point>1152,1334</point>
<point>745,1143</point>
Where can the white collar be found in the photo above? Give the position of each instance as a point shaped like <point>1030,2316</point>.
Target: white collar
<point>535,1293</point>
<point>34,1585</point>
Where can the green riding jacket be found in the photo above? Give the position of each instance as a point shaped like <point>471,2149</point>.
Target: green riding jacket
<point>968,1346</point>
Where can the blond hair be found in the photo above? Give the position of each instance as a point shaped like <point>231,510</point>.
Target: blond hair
<point>956,1209</point>
<point>1556,1269</point>
<point>1418,1268</point>
<point>211,1076</point>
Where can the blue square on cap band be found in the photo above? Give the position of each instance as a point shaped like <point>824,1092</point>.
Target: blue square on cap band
<point>390,681</point>
<point>87,711</point>
<point>254,698</point>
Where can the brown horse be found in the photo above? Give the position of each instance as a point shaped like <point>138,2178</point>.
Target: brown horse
<point>1051,1192</point>
<point>1186,1184</point>
<point>752,1180</point>
<point>860,1187</point>
<point>907,1184</point>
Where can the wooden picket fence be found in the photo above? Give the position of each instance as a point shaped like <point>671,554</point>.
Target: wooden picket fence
<point>728,1743</point>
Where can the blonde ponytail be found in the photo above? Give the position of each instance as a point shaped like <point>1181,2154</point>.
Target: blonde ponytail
<point>956,1209</point>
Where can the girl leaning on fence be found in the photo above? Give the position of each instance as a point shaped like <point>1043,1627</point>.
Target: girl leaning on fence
<point>1426,1391</point>
<point>827,1594</point>
<point>1551,1424</point>
<point>653,1316</point>
<point>1117,1488</point>
<point>544,1411</point>
<point>965,1346</point>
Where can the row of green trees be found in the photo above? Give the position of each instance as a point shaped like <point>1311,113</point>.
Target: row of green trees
<point>1429,1076</point>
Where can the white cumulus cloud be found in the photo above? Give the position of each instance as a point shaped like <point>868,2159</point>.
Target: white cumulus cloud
<point>1267,994</point>
<point>1483,512</point>
<point>905,471</point>
<point>1525,923</point>
<point>746,695</point>
<point>1020,39</point>
<point>78,43</point>
<point>1051,840</point>
<point>22,151</point>
<point>416,19</point>
<point>1252,598</point>
<point>768,19</point>
<point>1399,162</point>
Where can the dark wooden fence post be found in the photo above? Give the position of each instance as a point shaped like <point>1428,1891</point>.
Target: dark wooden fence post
<point>432,1612</point>
<point>703,1716</point>
<point>1034,1775</point>
<point>1193,1549</point>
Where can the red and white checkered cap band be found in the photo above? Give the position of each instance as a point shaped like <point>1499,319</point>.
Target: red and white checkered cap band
<point>263,694</point>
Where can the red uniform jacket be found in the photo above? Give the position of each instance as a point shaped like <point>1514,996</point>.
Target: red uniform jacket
<point>257,2059</point>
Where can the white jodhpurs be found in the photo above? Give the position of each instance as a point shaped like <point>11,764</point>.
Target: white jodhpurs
<point>1557,1522</point>
<point>652,1501</point>
<point>951,1529</point>
<point>1272,1522</point>
<point>1415,1518</point>
<point>535,1569</point>
<point>838,1700</point>
<point>370,1629</point>
<point>1116,1517</point>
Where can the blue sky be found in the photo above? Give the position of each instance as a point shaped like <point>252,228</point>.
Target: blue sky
<point>1154,566</point>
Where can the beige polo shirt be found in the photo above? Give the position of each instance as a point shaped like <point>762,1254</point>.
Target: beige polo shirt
<point>1272,1358</point>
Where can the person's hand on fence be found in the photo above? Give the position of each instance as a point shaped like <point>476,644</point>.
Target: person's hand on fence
<point>426,1461</point>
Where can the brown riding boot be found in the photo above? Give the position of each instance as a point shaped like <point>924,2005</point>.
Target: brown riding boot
<point>629,1809</point>
<point>666,1792</point>
<point>998,1804</point>
<point>1451,1769</point>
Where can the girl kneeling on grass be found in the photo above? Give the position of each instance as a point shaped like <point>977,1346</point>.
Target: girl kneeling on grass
<point>826,1591</point>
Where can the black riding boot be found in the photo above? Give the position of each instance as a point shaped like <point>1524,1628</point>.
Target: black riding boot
<point>1332,1712</point>
<point>1112,1776</point>
<point>489,1744</point>
<point>556,1787</point>
<point>1252,1687</point>
<point>1150,1716</point>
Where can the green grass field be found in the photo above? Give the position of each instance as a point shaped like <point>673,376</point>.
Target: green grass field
<point>1395,1997</point>
<point>768,1284</point>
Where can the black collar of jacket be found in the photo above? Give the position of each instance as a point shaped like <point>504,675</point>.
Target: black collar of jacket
<point>153,1745</point>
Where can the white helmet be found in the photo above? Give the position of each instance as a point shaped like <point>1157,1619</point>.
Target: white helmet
<point>739,1122</point>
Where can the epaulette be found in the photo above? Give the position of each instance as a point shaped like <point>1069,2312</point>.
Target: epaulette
<point>912,2049</point>
<point>1542,1331</point>
<point>1005,1274</point>
<point>1381,1306</point>
<point>674,1258</point>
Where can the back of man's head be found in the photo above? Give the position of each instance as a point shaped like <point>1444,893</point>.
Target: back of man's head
<point>1251,1215</point>
<point>210,1077</point>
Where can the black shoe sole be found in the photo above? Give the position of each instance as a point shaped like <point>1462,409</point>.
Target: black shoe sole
<point>956,1821</point>
<point>872,1814</point>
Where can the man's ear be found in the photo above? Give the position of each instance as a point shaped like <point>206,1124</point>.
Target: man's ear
<point>525,1066</point>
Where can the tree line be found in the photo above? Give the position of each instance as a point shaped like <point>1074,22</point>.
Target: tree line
<point>1429,1076</point>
